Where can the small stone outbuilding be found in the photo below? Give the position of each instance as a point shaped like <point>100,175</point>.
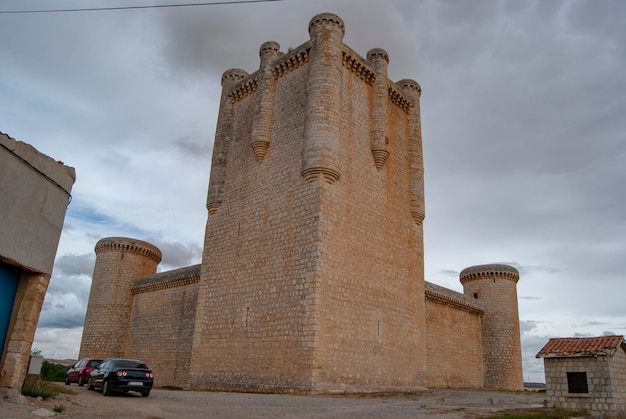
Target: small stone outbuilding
<point>586,373</point>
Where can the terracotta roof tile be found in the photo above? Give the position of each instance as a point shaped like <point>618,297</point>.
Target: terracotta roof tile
<point>578,347</point>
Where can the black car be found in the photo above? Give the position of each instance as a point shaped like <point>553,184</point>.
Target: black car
<point>117,374</point>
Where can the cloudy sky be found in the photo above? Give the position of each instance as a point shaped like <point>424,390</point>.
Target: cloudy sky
<point>524,127</point>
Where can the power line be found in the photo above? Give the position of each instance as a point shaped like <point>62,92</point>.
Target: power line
<point>99,9</point>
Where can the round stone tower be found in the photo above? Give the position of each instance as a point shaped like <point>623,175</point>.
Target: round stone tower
<point>119,261</point>
<point>496,287</point>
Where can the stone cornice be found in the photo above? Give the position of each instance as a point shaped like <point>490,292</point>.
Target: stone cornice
<point>441,295</point>
<point>126,245</point>
<point>170,279</point>
<point>397,98</point>
<point>357,65</point>
<point>478,272</point>
<point>292,60</point>
<point>245,87</point>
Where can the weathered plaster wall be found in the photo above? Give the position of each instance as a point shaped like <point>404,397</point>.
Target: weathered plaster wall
<point>34,195</point>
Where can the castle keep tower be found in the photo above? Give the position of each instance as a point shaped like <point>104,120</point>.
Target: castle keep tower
<point>496,286</point>
<point>119,261</point>
<point>312,274</point>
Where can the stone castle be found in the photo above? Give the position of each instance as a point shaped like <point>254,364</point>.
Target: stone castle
<point>312,273</point>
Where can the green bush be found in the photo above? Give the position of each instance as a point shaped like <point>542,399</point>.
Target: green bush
<point>39,390</point>
<point>53,372</point>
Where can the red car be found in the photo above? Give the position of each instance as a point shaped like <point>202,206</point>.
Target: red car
<point>79,373</point>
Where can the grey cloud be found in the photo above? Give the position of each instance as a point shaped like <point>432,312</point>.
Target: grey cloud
<point>449,272</point>
<point>533,367</point>
<point>530,269</point>
<point>528,325</point>
<point>195,145</point>
<point>177,254</point>
<point>72,265</point>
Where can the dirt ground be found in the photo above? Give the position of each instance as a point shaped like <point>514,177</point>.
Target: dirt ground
<point>163,404</point>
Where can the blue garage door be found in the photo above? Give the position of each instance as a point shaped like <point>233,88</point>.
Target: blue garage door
<point>9,278</point>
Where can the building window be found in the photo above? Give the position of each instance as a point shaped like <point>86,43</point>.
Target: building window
<point>577,382</point>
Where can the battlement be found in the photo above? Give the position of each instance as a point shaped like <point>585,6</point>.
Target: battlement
<point>170,279</point>
<point>312,274</point>
<point>123,244</point>
<point>442,295</point>
<point>489,271</point>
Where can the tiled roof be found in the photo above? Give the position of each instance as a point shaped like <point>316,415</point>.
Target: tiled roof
<point>578,347</point>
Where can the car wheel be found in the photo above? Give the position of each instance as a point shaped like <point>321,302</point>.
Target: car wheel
<point>145,393</point>
<point>80,381</point>
<point>106,391</point>
<point>67,380</point>
<point>89,384</point>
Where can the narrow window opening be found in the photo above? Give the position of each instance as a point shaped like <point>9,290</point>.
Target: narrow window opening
<point>378,331</point>
<point>475,295</point>
<point>247,312</point>
<point>577,382</point>
<point>494,280</point>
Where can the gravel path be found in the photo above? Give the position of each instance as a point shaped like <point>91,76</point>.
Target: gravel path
<point>164,404</point>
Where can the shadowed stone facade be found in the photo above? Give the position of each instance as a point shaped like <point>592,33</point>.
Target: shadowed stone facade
<point>312,276</point>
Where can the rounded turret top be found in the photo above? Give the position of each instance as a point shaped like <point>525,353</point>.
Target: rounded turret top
<point>327,18</point>
<point>408,84</point>
<point>489,271</point>
<point>124,244</point>
<point>269,47</point>
<point>375,53</point>
<point>234,75</point>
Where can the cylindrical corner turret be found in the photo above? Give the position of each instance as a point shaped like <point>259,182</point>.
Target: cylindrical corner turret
<point>379,60</point>
<point>322,137</point>
<point>223,134</point>
<point>496,286</point>
<point>263,117</point>
<point>326,20</point>
<point>412,90</point>
<point>119,261</point>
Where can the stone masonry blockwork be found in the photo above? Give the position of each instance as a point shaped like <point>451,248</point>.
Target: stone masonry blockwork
<point>312,274</point>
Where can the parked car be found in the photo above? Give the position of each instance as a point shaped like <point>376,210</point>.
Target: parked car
<point>80,372</point>
<point>118,374</point>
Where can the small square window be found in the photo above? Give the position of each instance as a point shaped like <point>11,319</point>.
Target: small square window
<point>577,382</point>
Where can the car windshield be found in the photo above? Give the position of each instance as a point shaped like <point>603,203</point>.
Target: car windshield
<point>94,363</point>
<point>129,363</point>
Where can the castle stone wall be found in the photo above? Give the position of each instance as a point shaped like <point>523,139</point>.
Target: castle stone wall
<point>162,323</point>
<point>312,274</point>
<point>371,293</point>
<point>254,327</point>
<point>496,286</point>
<point>119,261</point>
<point>453,339</point>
